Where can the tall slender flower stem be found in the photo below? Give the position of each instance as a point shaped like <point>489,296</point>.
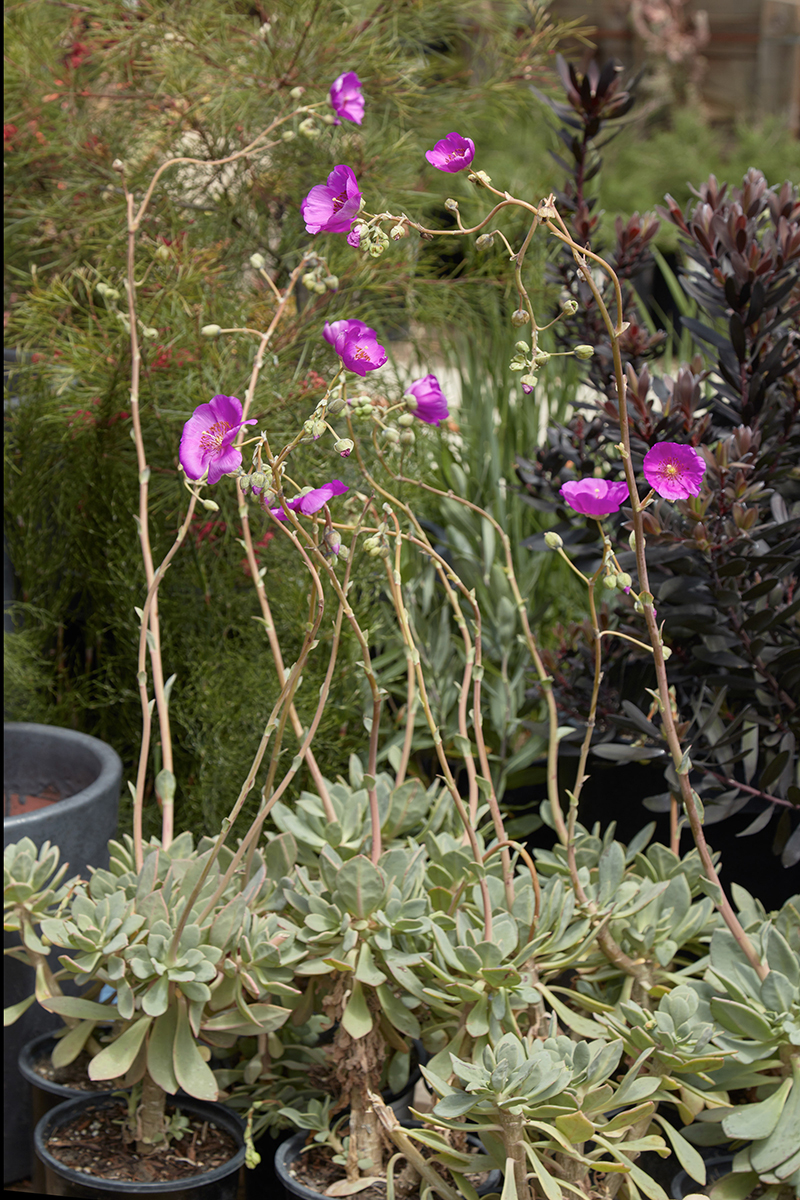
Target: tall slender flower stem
<point>247,537</point>
<point>154,642</point>
<point>667,716</point>
<point>146,627</point>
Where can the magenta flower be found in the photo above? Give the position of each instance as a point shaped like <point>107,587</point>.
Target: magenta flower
<point>346,99</point>
<point>452,153</point>
<point>332,207</point>
<point>595,497</point>
<point>313,500</point>
<point>673,470</point>
<point>338,329</point>
<point>207,437</point>
<point>356,344</point>
<point>431,404</point>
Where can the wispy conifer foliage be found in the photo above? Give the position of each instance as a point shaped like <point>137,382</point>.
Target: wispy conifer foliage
<point>116,88</point>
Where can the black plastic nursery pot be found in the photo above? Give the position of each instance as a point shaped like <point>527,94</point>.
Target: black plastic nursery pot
<point>45,1094</point>
<point>716,1166</point>
<point>219,1183</point>
<point>289,1151</point>
<point>62,787</point>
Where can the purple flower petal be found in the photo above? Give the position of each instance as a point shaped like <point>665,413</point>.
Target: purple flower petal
<point>312,501</point>
<point>346,98</point>
<point>595,497</point>
<point>332,207</point>
<point>431,401</point>
<point>453,153</point>
<point>356,344</point>
<point>206,442</point>
<point>339,329</point>
<point>674,470</point>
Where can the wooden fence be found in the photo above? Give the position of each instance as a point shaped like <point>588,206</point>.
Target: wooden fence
<point>752,56</point>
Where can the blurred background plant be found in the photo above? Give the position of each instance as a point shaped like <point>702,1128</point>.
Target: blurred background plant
<point>128,86</point>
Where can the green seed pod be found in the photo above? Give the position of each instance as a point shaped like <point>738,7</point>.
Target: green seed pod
<point>408,437</point>
<point>583,351</point>
<point>520,317</point>
<point>335,406</point>
<point>406,419</point>
<point>451,205</point>
<point>553,540</point>
<point>485,241</point>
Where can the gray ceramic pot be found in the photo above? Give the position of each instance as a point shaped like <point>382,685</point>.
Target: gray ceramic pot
<point>87,773</point>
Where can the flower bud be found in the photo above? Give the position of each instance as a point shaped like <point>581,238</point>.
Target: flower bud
<point>344,446</point>
<point>570,308</point>
<point>149,332</point>
<point>624,580</point>
<point>553,540</point>
<point>485,241</point>
<point>111,293</point>
<point>667,653</point>
<point>162,252</point>
<point>314,427</point>
<point>211,331</point>
<point>406,419</point>
<point>101,289</point>
<point>520,317</point>
<point>391,435</point>
<point>523,347</point>
<point>332,541</point>
<point>319,288</point>
<point>451,205</point>
<point>288,135</point>
<point>118,165</point>
<point>540,357</point>
<point>407,437</point>
<point>609,581</point>
<point>210,505</point>
<point>528,381</point>
<point>335,406</point>
<point>583,351</point>
<point>257,261</point>
<point>308,129</point>
<point>331,282</point>
<point>397,232</point>
<point>296,93</point>
<point>480,177</point>
<point>632,540</point>
<point>328,119</point>
<point>517,364</point>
